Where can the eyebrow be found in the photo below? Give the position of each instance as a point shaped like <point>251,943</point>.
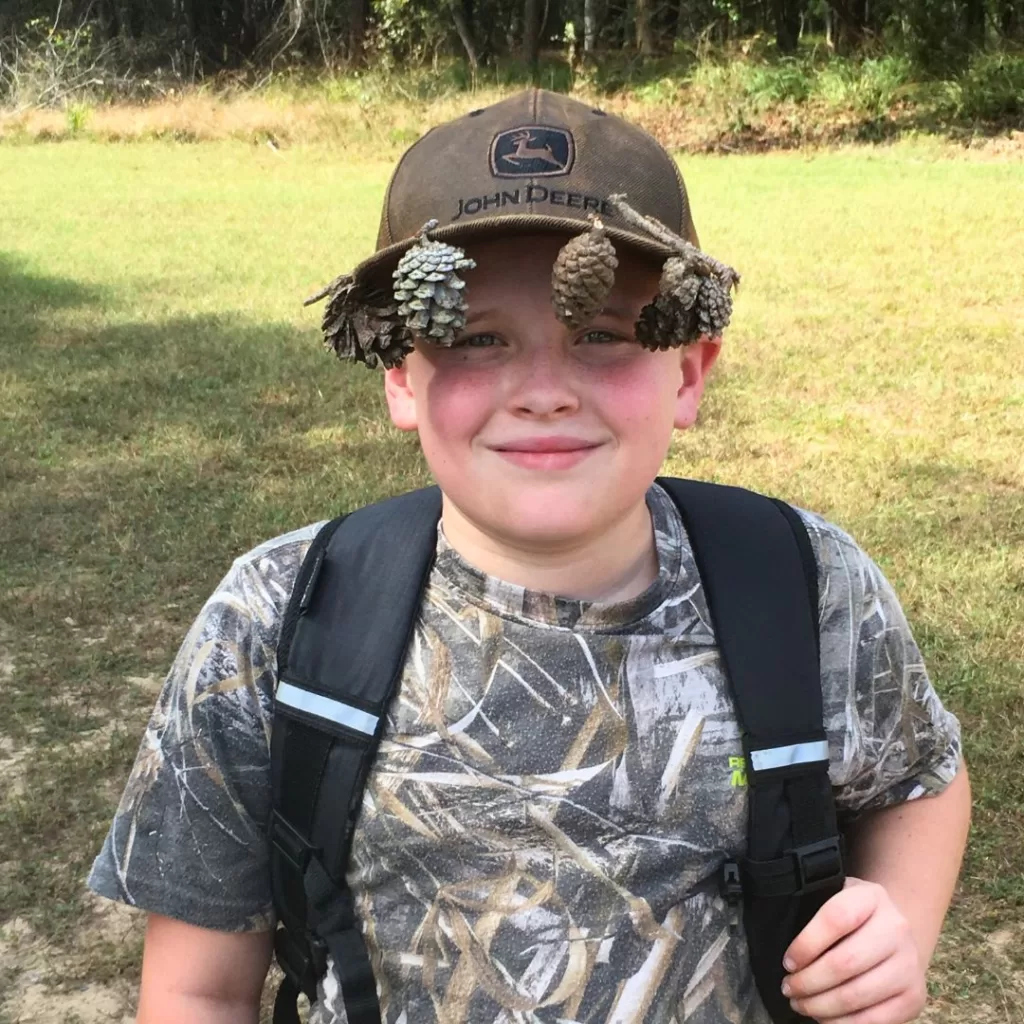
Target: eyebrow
<point>616,311</point>
<point>475,314</point>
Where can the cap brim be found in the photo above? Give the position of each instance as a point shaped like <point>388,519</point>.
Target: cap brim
<point>378,267</point>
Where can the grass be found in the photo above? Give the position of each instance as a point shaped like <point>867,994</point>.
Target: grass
<point>740,99</point>
<point>164,405</point>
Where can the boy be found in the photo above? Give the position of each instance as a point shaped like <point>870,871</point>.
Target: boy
<point>556,782</point>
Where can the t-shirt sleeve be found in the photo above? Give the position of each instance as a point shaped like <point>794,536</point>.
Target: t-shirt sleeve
<point>188,839</point>
<point>890,738</point>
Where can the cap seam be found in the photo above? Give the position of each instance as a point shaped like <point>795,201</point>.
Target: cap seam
<point>534,117</point>
<point>394,176</point>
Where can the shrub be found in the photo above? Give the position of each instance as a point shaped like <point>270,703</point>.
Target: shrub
<point>77,115</point>
<point>786,79</point>
<point>869,86</point>
<point>992,88</point>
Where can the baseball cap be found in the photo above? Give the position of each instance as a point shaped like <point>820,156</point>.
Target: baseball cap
<point>537,161</point>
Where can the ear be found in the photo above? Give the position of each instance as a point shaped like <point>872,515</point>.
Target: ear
<point>401,401</point>
<point>696,362</point>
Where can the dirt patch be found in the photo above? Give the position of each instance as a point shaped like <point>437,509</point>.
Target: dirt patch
<point>12,768</point>
<point>37,993</point>
<point>113,921</point>
<point>1000,941</point>
<point>149,685</point>
<point>88,1004</point>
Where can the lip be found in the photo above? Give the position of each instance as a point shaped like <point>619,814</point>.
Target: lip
<point>546,445</point>
<point>546,453</point>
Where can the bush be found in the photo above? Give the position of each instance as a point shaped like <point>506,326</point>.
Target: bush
<point>870,86</point>
<point>992,88</point>
<point>787,79</point>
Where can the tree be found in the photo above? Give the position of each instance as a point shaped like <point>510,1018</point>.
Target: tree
<point>357,11</point>
<point>646,42</point>
<point>848,22</point>
<point>589,25</point>
<point>787,24</point>
<point>462,16</point>
<point>531,32</point>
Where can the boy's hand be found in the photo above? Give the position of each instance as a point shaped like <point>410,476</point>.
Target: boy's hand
<point>856,962</point>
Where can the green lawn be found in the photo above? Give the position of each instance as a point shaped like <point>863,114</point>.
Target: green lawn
<point>165,404</point>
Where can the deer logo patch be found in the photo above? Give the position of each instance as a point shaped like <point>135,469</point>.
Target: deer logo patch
<point>532,151</point>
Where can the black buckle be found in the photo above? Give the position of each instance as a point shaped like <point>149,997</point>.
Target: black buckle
<point>302,960</point>
<point>730,884</point>
<point>819,865</point>
<point>290,843</point>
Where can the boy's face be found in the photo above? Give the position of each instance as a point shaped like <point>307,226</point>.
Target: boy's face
<point>540,434</point>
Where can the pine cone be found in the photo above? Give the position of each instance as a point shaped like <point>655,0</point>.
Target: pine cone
<point>678,281</point>
<point>714,306</point>
<point>583,275</point>
<point>687,306</point>
<point>666,323</point>
<point>429,291</point>
<point>363,326</point>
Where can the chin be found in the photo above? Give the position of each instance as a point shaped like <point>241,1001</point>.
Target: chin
<point>549,513</point>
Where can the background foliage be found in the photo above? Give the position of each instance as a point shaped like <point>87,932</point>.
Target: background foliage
<point>53,50</point>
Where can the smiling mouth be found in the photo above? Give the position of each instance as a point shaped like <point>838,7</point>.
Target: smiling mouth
<point>549,453</point>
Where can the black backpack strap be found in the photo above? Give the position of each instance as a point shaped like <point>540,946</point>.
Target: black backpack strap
<point>760,579</point>
<point>342,647</point>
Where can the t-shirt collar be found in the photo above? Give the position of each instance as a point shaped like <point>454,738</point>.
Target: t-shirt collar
<point>510,600</point>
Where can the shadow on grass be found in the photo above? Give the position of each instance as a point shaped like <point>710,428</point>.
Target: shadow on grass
<point>26,298</point>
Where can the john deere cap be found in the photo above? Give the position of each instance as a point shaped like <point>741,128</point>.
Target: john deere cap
<point>535,162</point>
<point>538,161</point>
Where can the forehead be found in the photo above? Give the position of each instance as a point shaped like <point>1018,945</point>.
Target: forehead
<point>512,265</point>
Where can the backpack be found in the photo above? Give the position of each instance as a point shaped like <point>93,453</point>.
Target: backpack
<point>362,579</point>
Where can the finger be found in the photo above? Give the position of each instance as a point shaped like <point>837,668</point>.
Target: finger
<point>898,1010</point>
<point>887,981</point>
<point>870,945</point>
<point>842,914</point>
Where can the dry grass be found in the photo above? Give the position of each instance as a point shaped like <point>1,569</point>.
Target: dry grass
<point>688,121</point>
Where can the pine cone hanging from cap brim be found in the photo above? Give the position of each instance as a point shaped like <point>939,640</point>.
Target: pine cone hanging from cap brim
<point>714,306</point>
<point>583,276</point>
<point>688,306</point>
<point>429,291</point>
<point>666,323</point>
<point>671,318</point>
<point>363,327</point>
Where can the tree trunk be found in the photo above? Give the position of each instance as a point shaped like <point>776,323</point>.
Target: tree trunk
<point>847,21</point>
<point>974,20</point>
<point>787,24</point>
<point>107,16</point>
<point>531,32</point>
<point>465,30</point>
<point>645,40</point>
<point>1009,20</point>
<point>356,27</point>
<point>589,25</point>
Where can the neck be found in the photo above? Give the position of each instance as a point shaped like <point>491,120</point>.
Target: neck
<point>619,563</point>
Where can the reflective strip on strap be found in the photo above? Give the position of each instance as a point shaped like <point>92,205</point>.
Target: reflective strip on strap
<point>783,757</point>
<point>326,707</point>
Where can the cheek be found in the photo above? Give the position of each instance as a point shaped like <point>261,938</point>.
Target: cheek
<point>453,408</point>
<point>639,397</point>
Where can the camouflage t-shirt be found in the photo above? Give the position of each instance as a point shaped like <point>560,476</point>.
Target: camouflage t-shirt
<point>558,783</point>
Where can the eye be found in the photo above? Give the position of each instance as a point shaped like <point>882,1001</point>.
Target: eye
<point>601,338</point>
<point>477,341</point>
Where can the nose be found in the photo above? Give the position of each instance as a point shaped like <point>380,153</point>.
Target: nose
<point>544,387</point>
